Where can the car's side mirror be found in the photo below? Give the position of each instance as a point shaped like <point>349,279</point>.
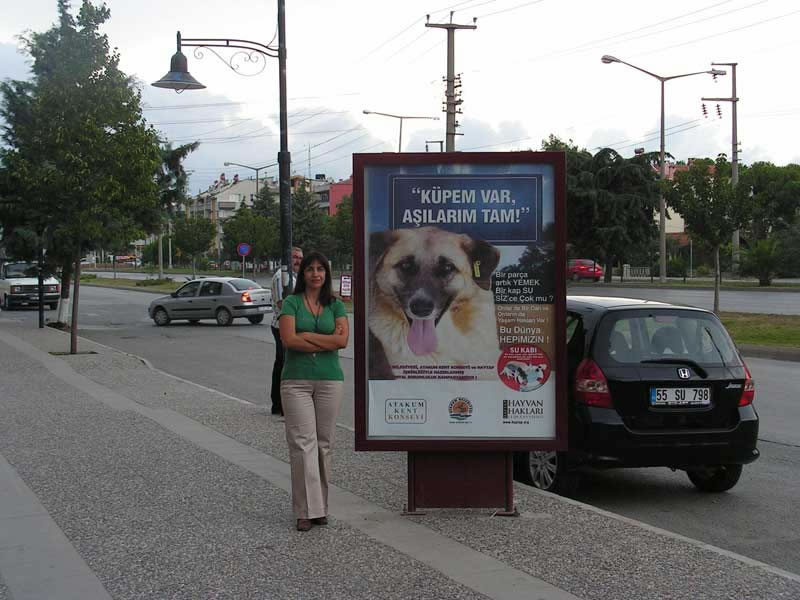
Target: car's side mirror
<point>174,294</point>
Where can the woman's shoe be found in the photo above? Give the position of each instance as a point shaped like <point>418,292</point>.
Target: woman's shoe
<point>303,525</point>
<point>320,521</point>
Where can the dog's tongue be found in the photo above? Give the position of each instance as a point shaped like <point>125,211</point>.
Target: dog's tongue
<point>422,336</point>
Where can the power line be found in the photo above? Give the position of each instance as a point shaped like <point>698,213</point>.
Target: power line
<point>643,27</point>
<point>498,144</point>
<point>196,121</point>
<point>505,10</point>
<point>255,136</point>
<point>650,133</point>
<point>713,35</point>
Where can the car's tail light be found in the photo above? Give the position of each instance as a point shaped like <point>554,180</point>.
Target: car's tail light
<point>591,386</point>
<point>748,389</point>
<point>246,297</point>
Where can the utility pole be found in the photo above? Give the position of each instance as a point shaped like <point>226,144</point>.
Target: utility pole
<point>735,153</point>
<point>451,101</point>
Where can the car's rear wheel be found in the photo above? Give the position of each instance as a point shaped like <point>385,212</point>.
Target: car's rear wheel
<point>549,471</point>
<point>224,317</point>
<point>715,479</point>
<point>160,317</point>
<point>256,320</point>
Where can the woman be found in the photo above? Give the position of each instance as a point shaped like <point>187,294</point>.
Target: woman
<point>313,326</point>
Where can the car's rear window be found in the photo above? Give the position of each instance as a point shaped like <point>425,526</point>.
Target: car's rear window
<point>630,337</point>
<point>244,284</point>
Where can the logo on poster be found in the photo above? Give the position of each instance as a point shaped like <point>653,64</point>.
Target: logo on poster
<point>460,409</point>
<point>406,410</point>
<point>520,411</point>
<point>523,368</point>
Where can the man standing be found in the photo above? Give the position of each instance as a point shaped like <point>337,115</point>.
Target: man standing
<point>277,302</point>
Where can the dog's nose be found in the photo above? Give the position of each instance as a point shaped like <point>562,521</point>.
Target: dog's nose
<point>421,307</point>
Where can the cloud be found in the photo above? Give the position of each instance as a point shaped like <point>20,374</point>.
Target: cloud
<point>478,136</point>
<point>229,132</point>
<point>13,64</point>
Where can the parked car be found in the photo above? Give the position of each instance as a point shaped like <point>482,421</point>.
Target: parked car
<point>19,286</point>
<point>583,268</point>
<point>220,298</point>
<point>651,384</point>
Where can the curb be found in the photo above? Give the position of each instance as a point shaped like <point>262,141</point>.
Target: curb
<point>771,352</point>
<point>652,286</point>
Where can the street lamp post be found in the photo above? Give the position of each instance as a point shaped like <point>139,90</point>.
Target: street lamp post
<point>401,117</point>
<point>256,169</point>
<point>662,210</point>
<point>179,79</point>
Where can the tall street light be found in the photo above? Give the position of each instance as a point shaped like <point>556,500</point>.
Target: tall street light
<point>247,52</point>
<point>256,169</point>
<point>662,218</point>
<point>401,117</point>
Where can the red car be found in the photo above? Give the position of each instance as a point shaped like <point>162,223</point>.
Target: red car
<point>584,268</point>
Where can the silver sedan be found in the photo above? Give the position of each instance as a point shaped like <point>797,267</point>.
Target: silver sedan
<point>220,298</point>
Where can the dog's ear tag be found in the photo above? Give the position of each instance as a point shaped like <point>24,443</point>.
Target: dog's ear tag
<point>476,269</point>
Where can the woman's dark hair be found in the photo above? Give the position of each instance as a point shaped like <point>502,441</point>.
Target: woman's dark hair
<point>326,293</point>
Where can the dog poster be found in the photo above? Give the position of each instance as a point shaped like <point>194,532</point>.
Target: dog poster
<point>461,292</point>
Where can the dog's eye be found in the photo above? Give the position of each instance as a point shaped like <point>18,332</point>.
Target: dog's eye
<point>407,266</point>
<point>445,268</point>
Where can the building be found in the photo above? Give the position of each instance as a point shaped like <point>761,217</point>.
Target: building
<point>337,192</point>
<point>223,198</point>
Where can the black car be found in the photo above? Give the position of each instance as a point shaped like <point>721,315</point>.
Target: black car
<point>650,385</point>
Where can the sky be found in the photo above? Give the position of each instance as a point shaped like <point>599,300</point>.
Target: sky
<point>530,69</point>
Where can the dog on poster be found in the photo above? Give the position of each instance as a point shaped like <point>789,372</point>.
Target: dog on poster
<point>430,300</point>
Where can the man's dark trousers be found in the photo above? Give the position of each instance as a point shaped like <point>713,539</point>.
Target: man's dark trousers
<point>277,408</point>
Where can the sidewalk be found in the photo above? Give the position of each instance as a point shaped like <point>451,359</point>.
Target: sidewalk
<point>119,481</point>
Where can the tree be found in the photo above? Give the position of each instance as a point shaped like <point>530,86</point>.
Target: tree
<point>611,202</point>
<point>709,205</point>
<point>307,220</point>
<point>82,157</point>
<point>193,236</point>
<point>265,204</point>
<point>775,197</point>
<point>171,179</point>
<point>339,233</point>
<point>260,232</point>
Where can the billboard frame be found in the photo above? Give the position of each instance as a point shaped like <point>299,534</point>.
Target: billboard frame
<point>556,160</point>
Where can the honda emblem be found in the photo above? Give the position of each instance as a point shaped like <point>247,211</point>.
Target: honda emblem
<point>684,373</point>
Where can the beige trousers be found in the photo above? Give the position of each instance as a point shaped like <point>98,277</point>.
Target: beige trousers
<point>310,408</point>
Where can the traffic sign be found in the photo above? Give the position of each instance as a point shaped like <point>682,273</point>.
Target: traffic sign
<point>243,249</point>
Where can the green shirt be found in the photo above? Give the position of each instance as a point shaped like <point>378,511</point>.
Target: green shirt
<point>317,365</point>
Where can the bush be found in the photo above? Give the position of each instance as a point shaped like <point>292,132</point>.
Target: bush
<point>703,271</point>
<point>762,260</point>
<point>88,276</point>
<point>676,267</point>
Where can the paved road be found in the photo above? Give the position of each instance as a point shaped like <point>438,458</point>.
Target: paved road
<point>758,518</point>
<point>769,302</point>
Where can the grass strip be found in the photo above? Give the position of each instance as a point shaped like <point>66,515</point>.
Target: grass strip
<point>763,330</point>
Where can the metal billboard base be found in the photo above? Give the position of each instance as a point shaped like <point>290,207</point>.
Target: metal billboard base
<point>461,480</point>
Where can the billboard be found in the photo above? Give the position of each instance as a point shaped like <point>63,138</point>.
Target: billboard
<point>460,301</point>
